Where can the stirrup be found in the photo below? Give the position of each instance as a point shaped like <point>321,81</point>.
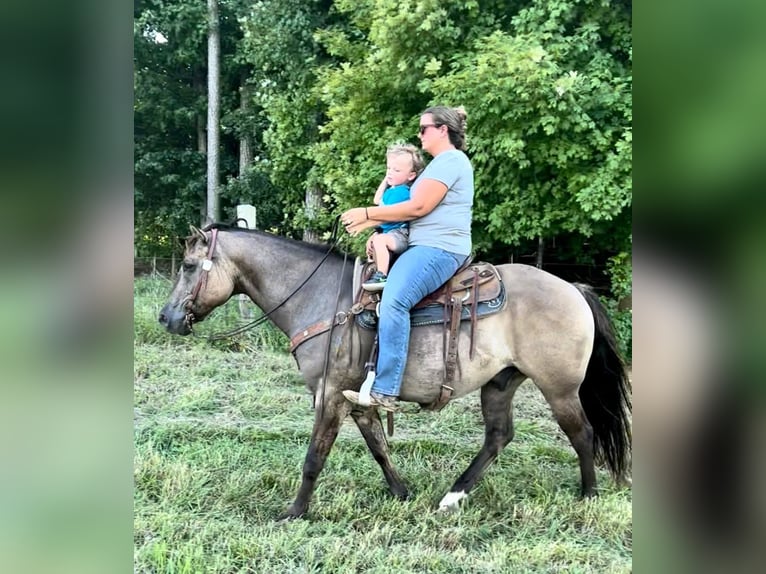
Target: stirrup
<point>364,392</point>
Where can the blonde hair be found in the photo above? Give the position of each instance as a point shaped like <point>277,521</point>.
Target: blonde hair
<point>400,148</point>
<point>454,119</point>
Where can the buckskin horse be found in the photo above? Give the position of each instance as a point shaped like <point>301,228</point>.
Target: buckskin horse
<point>548,330</point>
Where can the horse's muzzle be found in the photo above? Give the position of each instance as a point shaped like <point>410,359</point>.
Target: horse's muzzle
<point>175,320</point>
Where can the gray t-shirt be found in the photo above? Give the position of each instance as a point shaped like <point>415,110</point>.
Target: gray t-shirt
<point>448,226</point>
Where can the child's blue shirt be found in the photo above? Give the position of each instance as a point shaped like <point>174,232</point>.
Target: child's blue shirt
<point>392,195</point>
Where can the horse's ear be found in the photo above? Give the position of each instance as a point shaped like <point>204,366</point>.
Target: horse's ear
<point>197,232</point>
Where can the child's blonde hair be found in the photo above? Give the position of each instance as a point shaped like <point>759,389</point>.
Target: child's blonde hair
<point>400,148</point>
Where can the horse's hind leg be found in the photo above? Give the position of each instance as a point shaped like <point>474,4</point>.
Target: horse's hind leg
<point>497,410</point>
<point>570,415</point>
<point>368,421</point>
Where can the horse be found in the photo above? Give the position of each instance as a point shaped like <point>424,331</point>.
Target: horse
<point>548,330</point>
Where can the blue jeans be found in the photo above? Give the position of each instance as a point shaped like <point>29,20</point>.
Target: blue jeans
<point>418,271</point>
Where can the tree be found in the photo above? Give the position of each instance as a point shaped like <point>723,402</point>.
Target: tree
<point>547,87</point>
<point>213,108</point>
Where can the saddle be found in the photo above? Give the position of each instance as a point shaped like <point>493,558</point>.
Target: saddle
<point>473,283</point>
<point>475,290</point>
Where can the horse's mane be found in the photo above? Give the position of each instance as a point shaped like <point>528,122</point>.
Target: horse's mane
<point>321,248</point>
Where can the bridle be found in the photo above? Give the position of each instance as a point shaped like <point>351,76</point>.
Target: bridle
<point>207,265</point>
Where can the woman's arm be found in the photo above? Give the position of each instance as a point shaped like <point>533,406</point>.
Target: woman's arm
<point>425,197</point>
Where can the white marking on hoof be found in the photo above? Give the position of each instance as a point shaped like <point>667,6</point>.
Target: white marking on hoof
<point>451,501</point>
<point>364,392</point>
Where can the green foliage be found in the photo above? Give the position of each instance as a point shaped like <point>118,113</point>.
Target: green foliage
<point>374,97</point>
<point>549,130</point>
<point>620,269</point>
<point>622,321</point>
<point>256,188</point>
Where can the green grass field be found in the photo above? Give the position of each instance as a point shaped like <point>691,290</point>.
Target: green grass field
<point>221,431</point>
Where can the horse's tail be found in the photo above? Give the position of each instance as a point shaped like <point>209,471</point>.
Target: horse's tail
<point>605,393</point>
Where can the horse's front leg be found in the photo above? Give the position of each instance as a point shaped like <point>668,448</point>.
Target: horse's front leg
<point>326,426</point>
<point>368,421</point>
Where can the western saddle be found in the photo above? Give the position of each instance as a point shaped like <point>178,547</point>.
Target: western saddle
<point>472,284</point>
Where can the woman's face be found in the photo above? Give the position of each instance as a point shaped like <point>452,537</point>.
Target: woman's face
<point>429,133</point>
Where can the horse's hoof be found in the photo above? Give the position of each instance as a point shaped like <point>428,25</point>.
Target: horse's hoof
<point>399,493</point>
<point>451,501</point>
<point>289,515</point>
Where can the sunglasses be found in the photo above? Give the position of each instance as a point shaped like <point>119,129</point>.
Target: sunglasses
<point>425,127</point>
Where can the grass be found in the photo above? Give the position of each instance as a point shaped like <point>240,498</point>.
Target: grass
<point>221,431</point>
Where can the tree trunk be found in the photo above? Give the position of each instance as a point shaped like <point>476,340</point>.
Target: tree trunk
<point>540,250</point>
<point>245,147</point>
<point>245,155</point>
<point>213,108</point>
<point>314,205</point>
<point>198,83</point>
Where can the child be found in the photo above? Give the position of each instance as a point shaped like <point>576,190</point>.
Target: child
<point>403,164</point>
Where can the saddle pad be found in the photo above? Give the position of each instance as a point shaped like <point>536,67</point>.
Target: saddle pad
<point>434,314</point>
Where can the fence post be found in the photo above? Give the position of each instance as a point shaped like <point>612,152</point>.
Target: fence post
<point>245,212</point>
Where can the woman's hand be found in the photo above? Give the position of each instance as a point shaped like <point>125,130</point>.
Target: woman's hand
<point>356,220</point>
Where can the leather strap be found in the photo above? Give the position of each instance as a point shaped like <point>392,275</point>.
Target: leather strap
<point>474,310</point>
<point>454,330</point>
<point>309,333</point>
<point>451,359</point>
<point>446,329</point>
<point>444,397</point>
<point>207,265</point>
<point>316,329</point>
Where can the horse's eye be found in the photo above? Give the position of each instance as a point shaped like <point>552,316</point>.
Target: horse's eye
<point>189,267</point>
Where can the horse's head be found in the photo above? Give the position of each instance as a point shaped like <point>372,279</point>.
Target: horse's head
<point>203,283</point>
